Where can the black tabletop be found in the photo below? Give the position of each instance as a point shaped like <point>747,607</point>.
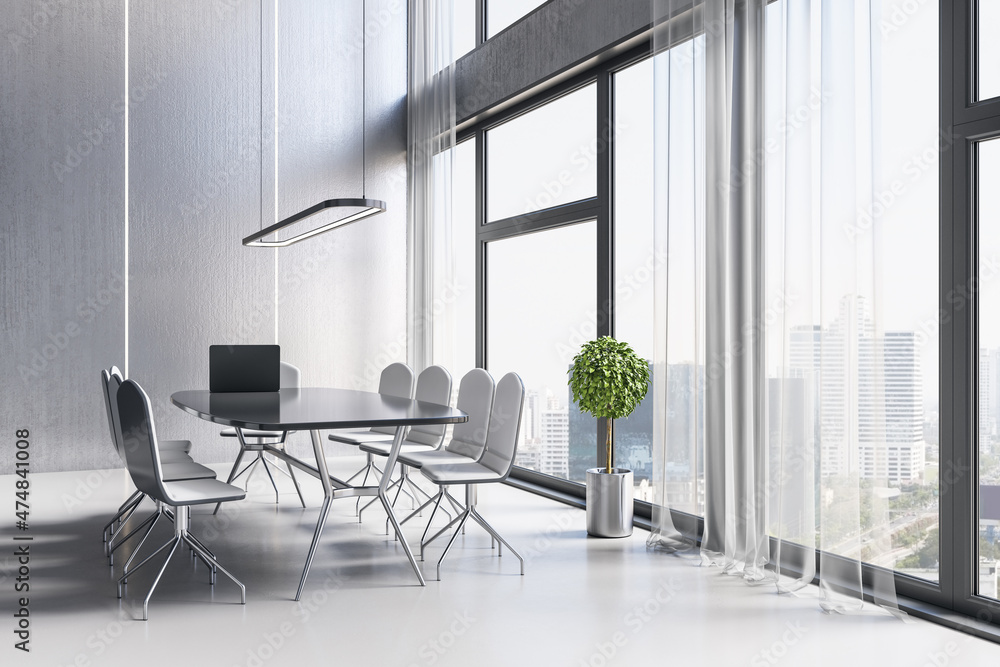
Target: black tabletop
<point>312,408</point>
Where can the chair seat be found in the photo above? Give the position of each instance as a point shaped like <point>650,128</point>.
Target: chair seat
<point>350,437</point>
<point>383,448</point>
<point>174,446</point>
<point>437,456</point>
<point>252,433</point>
<point>201,491</point>
<point>175,456</point>
<point>176,472</point>
<point>459,473</point>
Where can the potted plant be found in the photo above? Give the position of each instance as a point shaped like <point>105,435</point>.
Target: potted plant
<point>609,380</point>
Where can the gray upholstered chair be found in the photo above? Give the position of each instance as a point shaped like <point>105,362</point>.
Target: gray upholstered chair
<point>493,465</point>
<point>180,467</point>
<point>143,460</point>
<point>468,439</point>
<point>396,379</point>
<point>433,386</point>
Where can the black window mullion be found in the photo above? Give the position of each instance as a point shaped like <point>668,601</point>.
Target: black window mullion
<point>480,249</point>
<point>605,231</point>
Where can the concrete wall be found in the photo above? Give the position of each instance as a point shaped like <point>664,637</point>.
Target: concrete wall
<point>557,40</point>
<point>94,271</point>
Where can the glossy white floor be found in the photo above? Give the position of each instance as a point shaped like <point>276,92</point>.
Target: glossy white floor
<point>581,602</point>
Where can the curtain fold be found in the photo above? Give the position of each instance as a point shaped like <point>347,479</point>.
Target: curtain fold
<point>768,380</point>
<point>431,115</point>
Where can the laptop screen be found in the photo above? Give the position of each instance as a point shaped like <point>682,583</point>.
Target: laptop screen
<point>244,368</point>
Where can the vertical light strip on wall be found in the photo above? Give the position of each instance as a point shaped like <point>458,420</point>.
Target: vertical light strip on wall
<point>275,93</point>
<point>125,289</point>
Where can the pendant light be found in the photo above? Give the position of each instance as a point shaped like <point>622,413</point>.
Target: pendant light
<point>353,209</point>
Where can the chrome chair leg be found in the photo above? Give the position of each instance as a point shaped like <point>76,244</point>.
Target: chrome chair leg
<point>252,468</point>
<point>460,518</point>
<point>494,534</point>
<point>267,469</point>
<point>109,527</point>
<point>423,536</point>
<point>465,517</point>
<point>289,471</point>
<point>135,551</point>
<point>217,565</point>
<point>232,476</point>
<point>113,548</point>
<point>201,545</point>
<point>121,579</point>
<point>370,467</point>
<point>181,535</point>
<point>145,602</point>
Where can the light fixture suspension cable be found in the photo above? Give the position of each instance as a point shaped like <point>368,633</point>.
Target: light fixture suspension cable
<point>364,109</point>
<point>369,207</point>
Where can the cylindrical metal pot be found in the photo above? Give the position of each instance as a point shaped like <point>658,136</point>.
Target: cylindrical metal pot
<point>609,502</point>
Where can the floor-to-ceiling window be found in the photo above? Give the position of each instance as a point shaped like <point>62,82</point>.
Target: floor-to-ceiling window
<point>940,455</point>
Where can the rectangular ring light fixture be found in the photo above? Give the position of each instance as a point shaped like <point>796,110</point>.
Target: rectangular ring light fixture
<point>368,208</point>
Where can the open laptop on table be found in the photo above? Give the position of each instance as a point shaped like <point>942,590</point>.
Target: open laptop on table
<point>234,368</point>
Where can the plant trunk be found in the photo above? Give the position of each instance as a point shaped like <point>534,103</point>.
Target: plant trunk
<point>609,442</point>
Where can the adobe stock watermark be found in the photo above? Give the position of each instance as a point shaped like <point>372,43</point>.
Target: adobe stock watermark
<point>751,332</point>
<point>581,159</point>
<point>957,298</point>
<point>544,542</point>
<point>781,647</point>
<point>912,169</point>
<point>791,123</point>
<point>94,137</point>
<point>395,349</point>
<point>100,641</point>
<point>900,15</point>
<point>627,287</point>
<point>270,642</point>
<point>41,357</point>
<point>633,622</point>
<point>435,648</point>
<point>39,19</point>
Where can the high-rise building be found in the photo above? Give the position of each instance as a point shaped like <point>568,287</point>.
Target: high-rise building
<point>554,440</point>
<point>870,419</point>
<point>987,397</point>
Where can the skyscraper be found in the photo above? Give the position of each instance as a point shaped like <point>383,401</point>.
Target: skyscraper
<point>869,395</point>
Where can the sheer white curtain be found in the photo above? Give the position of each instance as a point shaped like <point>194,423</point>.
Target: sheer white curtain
<point>769,376</point>
<point>430,137</point>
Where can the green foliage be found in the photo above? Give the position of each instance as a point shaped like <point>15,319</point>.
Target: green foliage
<point>608,378</point>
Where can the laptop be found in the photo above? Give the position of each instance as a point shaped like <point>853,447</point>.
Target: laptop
<point>244,368</point>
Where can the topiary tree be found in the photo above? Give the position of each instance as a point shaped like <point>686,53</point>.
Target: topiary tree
<point>608,380</point>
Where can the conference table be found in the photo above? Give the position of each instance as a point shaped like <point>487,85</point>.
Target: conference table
<point>312,409</point>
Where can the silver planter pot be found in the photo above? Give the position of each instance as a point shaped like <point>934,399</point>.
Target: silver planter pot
<point>609,502</point>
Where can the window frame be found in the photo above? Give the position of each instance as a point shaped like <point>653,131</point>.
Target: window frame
<point>963,122</point>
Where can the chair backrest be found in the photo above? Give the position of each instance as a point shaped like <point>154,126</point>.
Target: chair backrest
<point>290,377</point>
<point>475,398</point>
<point>142,457</point>
<point>112,425</point>
<point>114,382</point>
<point>433,386</point>
<point>505,423</point>
<point>396,380</point>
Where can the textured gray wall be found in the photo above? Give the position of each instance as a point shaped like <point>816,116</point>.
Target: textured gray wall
<point>342,296</point>
<point>194,192</point>
<point>62,211</point>
<point>195,174</point>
